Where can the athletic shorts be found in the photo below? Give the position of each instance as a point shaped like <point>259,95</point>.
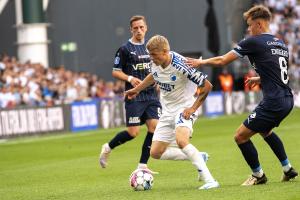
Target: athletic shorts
<point>165,129</point>
<point>137,112</point>
<point>268,114</point>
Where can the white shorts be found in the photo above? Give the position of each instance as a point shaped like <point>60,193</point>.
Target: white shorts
<point>165,129</point>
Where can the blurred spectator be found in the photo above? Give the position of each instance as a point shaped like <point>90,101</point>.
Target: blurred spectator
<point>226,80</point>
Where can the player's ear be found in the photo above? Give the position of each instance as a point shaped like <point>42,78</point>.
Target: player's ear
<point>259,23</point>
<point>130,29</point>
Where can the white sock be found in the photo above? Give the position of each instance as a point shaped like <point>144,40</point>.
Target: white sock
<point>287,167</point>
<point>259,174</point>
<point>107,148</point>
<point>193,155</point>
<point>142,166</point>
<point>173,153</point>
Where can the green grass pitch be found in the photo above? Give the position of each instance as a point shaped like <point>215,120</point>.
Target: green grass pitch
<point>66,166</point>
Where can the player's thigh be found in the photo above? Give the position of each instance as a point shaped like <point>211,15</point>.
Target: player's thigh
<point>180,121</point>
<point>182,136</point>
<point>243,134</point>
<point>158,148</point>
<point>165,130</point>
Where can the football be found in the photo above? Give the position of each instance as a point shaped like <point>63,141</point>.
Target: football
<point>141,180</point>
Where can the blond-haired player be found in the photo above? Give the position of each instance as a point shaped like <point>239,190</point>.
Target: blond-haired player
<point>177,84</point>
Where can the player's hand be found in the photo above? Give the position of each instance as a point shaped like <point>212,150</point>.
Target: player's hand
<point>135,81</point>
<point>131,94</point>
<point>252,81</point>
<point>192,62</point>
<point>186,114</point>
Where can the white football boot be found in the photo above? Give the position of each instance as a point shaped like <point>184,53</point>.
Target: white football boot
<point>210,185</point>
<point>105,151</point>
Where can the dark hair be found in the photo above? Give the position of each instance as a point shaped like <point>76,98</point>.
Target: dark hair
<point>137,18</point>
<point>258,12</point>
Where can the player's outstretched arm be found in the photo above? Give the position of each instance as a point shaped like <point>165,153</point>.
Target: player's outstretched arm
<point>199,101</point>
<point>124,77</point>
<point>214,61</point>
<point>132,93</point>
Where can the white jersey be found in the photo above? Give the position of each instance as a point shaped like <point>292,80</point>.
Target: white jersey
<point>177,83</point>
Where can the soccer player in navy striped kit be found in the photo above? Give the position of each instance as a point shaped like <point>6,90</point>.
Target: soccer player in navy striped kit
<point>269,57</point>
<point>132,66</point>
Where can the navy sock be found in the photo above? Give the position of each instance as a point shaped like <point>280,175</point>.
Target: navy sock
<point>250,154</point>
<point>146,148</point>
<point>277,146</point>
<point>119,139</point>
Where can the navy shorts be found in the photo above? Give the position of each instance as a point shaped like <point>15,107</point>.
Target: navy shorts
<point>137,112</point>
<point>268,114</point>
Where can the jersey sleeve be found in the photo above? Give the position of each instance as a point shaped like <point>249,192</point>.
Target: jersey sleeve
<point>192,74</point>
<point>197,77</point>
<point>244,47</point>
<point>119,61</point>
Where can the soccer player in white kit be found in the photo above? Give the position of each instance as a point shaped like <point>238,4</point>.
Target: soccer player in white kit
<point>178,84</point>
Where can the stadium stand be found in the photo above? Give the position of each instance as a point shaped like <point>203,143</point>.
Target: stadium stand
<point>32,84</point>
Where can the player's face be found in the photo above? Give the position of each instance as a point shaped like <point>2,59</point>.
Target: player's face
<point>159,57</point>
<point>138,30</point>
<point>253,26</point>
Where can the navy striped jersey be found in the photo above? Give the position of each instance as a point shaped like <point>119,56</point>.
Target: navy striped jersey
<point>269,57</point>
<point>133,60</point>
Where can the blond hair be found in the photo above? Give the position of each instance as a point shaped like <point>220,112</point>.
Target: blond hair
<point>258,12</point>
<point>137,18</point>
<point>159,43</point>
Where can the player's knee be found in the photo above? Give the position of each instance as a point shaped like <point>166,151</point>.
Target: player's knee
<point>155,154</point>
<point>181,143</point>
<point>133,133</point>
<point>239,139</point>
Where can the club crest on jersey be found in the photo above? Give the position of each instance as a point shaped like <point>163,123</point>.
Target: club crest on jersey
<point>173,77</point>
<point>117,60</point>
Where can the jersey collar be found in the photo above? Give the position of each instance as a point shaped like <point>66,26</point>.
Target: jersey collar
<point>136,43</point>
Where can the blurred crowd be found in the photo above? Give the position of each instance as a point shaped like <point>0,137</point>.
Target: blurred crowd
<point>32,84</point>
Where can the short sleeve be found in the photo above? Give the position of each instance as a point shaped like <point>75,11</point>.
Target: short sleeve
<point>244,47</point>
<point>120,59</point>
